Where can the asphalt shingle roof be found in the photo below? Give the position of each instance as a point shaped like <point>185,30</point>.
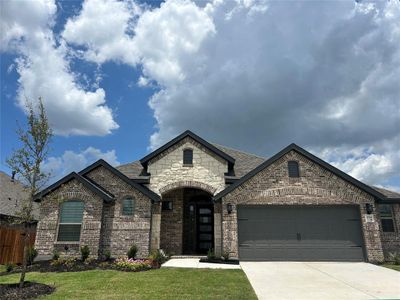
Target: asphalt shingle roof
<point>12,196</point>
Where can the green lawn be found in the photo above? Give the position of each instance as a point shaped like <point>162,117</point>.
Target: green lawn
<point>392,266</point>
<point>169,283</point>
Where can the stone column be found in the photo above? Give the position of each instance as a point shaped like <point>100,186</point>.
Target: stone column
<point>155,226</point>
<point>217,229</point>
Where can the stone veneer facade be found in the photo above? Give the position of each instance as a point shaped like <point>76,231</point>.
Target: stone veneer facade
<point>168,172</point>
<point>105,228</point>
<point>315,186</point>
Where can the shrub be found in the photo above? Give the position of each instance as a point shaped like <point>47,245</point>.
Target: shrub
<point>210,254</point>
<point>56,255</point>
<point>68,262</point>
<point>158,257</point>
<point>32,254</point>
<point>107,255</point>
<point>9,267</point>
<point>89,260</point>
<point>395,257</point>
<point>130,264</point>
<point>225,256</point>
<point>132,251</point>
<point>85,252</point>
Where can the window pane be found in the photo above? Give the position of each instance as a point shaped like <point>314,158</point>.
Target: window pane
<point>206,220</point>
<point>205,237</point>
<point>72,212</point>
<point>205,211</point>
<point>205,245</point>
<point>385,210</point>
<point>205,228</point>
<point>69,233</point>
<point>166,205</point>
<point>127,207</point>
<point>387,225</point>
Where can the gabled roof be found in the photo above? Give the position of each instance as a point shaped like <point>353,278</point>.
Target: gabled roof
<point>390,196</point>
<point>311,157</point>
<point>106,196</point>
<point>144,190</point>
<point>195,137</point>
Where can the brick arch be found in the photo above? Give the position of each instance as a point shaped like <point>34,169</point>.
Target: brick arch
<point>188,184</point>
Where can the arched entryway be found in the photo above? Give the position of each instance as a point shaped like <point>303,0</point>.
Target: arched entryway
<point>187,221</point>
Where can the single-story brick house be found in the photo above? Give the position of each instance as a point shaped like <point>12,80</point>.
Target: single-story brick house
<point>190,196</point>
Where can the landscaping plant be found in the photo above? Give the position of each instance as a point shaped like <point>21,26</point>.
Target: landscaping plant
<point>9,267</point>
<point>132,251</point>
<point>107,255</point>
<point>85,252</point>
<point>210,254</point>
<point>225,256</point>
<point>56,255</point>
<point>32,254</point>
<point>158,257</point>
<point>26,163</point>
<point>130,264</point>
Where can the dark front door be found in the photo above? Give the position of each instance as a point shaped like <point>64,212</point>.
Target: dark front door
<point>205,228</point>
<point>300,233</point>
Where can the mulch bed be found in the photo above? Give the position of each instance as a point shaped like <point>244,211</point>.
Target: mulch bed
<point>30,290</point>
<point>77,266</point>
<point>219,261</point>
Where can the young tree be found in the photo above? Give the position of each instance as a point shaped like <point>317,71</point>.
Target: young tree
<point>26,161</point>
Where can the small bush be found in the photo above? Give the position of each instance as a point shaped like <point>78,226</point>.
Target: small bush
<point>32,254</point>
<point>85,252</point>
<point>89,260</point>
<point>107,255</point>
<point>132,251</point>
<point>395,257</point>
<point>68,262</point>
<point>225,256</point>
<point>210,254</point>
<point>158,257</point>
<point>56,255</point>
<point>130,264</point>
<point>9,267</point>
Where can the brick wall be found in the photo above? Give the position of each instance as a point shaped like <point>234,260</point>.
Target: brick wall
<point>391,240</point>
<point>119,232</point>
<point>315,186</point>
<point>46,236</point>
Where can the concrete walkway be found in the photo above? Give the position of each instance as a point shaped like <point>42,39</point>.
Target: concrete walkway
<point>195,263</point>
<point>317,280</point>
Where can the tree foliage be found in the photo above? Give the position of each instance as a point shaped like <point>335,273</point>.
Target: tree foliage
<point>26,162</point>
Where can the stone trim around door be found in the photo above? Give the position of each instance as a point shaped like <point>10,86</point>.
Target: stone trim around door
<point>188,184</point>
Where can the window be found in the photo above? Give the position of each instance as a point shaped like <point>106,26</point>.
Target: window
<point>188,157</point>
<point>166,205</point>
<point>71,215</point>
<point>128,206</point>
<point>293,168</point>
<point>385,211</point>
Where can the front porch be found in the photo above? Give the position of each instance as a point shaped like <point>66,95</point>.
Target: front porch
<point>187,222</point>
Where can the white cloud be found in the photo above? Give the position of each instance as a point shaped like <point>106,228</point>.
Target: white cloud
<point>72,161</point>
<point>44,72</point>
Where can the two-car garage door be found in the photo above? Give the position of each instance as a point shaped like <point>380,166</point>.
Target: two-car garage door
<point>330,233</point>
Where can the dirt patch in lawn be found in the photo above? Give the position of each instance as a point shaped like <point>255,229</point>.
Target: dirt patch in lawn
<point>31,290</point>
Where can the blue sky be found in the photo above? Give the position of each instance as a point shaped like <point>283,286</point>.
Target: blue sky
<point>119,78</point>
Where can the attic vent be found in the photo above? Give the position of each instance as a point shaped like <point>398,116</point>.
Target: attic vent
<point>293,169</point>
<point>188,157</point>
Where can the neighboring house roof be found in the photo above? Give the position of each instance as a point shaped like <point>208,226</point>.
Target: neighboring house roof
<point>144,190</point>
<point>12,195</point>
<point>378,195</point>
<point>195,137</point>
<point>106,196</point>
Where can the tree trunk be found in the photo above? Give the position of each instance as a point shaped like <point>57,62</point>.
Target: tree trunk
<point>25,257</point>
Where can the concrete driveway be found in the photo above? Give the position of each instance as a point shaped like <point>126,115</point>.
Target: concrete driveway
<point>322,280</point>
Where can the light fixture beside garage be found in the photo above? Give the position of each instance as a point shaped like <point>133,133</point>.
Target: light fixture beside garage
<point>369,208</point>
<point>229,208</point>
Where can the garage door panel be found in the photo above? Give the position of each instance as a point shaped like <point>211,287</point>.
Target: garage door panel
<point>300,233</point>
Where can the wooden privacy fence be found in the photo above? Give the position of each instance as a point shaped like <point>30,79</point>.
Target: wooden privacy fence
<point>12,244</point>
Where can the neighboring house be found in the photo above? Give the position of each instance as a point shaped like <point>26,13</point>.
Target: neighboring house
<point>190,196</point>
<point>13,194</point>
